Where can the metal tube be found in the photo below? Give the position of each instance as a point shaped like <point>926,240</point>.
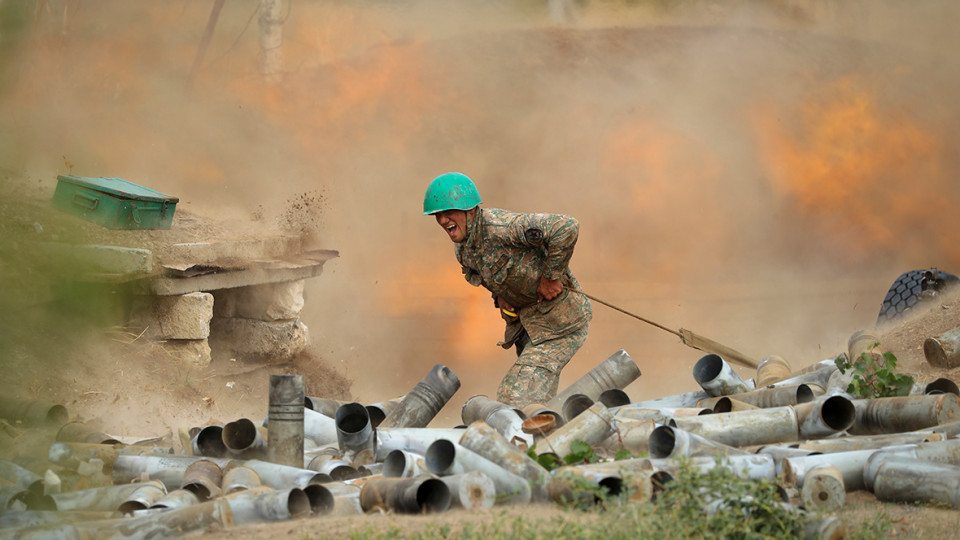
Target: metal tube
<point>279,476</point>
<point>777,396</point>
<point>631,435</point>
<point>412,439</point>
<point>487,442</point>
<point>347,504</point>
<point>338,469</point>
<point>82,432</point>
<point>816,374</point>
<point>913,480</point>
<point>405,495</point>
<point>20,476</point>
<point>403,464</point>
<point>321,499</point>
<point>743,428</point>
<point>319,428</point>
<point>614,397</point>
<point>33,412</point>
<point>209,442</point>
<point>574,405</point>
<point>355,434</point>
<point>425,400</point>
<point>823,489</point>
<point>100,499</point>
<point>903,413</point>
<point>243,439</point>
<point>771,369</point>
<point>507,420</point>
<point>378,411</point>
<point>72,454</point>
<point>177,498</point>
<point>238,477</point>
<point>285,420</point>
<point>860,342</point>
<point>728,404</point>
<point>203,478</point>
<point>324,406</point>
<point>684,400</point>
<point>943,351</point>
<point>146,494</point>
<point>592,426</point>
<point>824,417</point>
<point>445,458</point>
<point>850,465</point>
<point>717,378</point>
<point>940,385</point>
<point>472,490</point>
<point>263,504</point>
<point>670,442</point>
<point>166,469</point>
<point>867,442</point>
<point>617,371</point>
<point>538,409</point>
<point>661,415</point>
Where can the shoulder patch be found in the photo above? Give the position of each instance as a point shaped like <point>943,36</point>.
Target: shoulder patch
<point>534,235</point>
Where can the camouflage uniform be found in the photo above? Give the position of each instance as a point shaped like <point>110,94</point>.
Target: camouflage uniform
<point>507,253</point>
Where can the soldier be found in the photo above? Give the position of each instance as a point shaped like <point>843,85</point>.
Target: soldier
<point>523,260</point>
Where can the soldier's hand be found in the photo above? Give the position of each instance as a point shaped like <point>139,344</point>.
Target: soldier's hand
<point>548,289</point>
<point>508,312</point>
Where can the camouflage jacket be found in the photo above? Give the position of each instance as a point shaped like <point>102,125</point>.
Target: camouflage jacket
<point>507,253</point>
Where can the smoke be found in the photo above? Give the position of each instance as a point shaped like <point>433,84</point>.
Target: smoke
<point>758,172</point>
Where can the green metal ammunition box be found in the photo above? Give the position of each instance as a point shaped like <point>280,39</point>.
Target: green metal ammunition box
<point>114,203</point>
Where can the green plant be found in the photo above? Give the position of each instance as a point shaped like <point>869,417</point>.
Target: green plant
<point>874,375</point>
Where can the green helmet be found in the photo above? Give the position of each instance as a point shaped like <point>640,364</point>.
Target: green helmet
<point>450,191</point>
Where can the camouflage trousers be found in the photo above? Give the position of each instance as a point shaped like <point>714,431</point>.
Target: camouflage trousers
<point>535,376</point>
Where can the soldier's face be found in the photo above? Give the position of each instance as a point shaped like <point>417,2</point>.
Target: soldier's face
<point>454,222</point>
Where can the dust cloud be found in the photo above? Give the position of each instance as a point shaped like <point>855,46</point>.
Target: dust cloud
<point>756,171</point>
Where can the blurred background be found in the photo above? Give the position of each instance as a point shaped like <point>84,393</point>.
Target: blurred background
<point>756,171</point>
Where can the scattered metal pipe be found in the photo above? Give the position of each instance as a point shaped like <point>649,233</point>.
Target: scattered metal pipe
<point>355,433</point>
<point>816,374</point>
<point>904,413</point>
<point>203,478</point>
<point>279,476</point>
<point>717,378</point>
<point>940,385</point>
<point>743,428</point>
<point>574,485</point>
<point>614,397</point>
<point>33,412</point>
<point>262,504</point>
<point>72,454</point>
<point>850,465</point>
<point>481,438</point>
<point>472,490</point>
<point>661,415</point>
<point>824,417</point>
<point>321,499</point>
<point>592,426</point>
<point>574,405</point>
<point>780,452</point>
<point>82,432</point>
<point>412,439</point>
<point>146,494</point>
<point>209,442</point>
<point>748,466</point>
<point>403,464</point>
<point>446,458</point>
<point>347,504</point>
<point>100,499</point>
<point>285,420</point>
<point>860,342</point>
<point>539,409</point>
<point>19,476</point>
<point>23,519</point>
<point>337,468</point>
<point>677,401</point>
<point>378,411</point>
<point>243,439</point>
<point>777,396</point>
<point>914,480</point>
<point>631,435</point>
<point>425,400</point>
<point>771,369</point>
<point>238,478</point>
<point>823,489</point>
<point>617,371</point>
<point>728,404</point>
<point>324,406</point>
<point>507,420</point>
<point>319,428</point>
<point>867,442</point>
<point>943,351</point>
<point>406,495</point>
<point>177,498</point>
<point>670,442</point>
<point>166,469</point>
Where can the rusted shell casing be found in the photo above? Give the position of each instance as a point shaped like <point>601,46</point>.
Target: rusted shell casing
<point>337,468</point>
<point>591,426</point>
<point>728,404</point>
<point>913,480</point>
<point>777,396</point>
<point>72,454</point>
<point>209,442</point>
<point>166,469</point>
<point>319,428</point>
<point>574,405</point>
<point>815,374</point>
<point>177,498</point>
<point>539,409</point>
<point>824,417</point>
<point>617,371</point>
<point>425,400</point>
<point>507,420</point>
<point>485,441</point>
<point>146,494</point>
<point>445,458</point>
<point>743,428</point>
<point>243,439</point>
<point>614,397</point>
<point>661,415</point>
<point>33,412</point>
<point>324,406</point>
<point>278,476</point>
<point>582,484</point>
<point>406,495</point>
<point>285,423</point>
<point>347,504</point>
<point>684,400</point>
<point>850,464</point>
<point>717,378</point>
<point>101,499</point>
<point>632,435</point>
<point>867,442</point>
<point>749,466</point>
<point>904,413</point>
<point>403,464</point>
<point>930,385</point>
<point>239,478</point>
<point>378,411</point>
<point>823,489</point>
<point>773,368</point>
<point>415,440</point>
<point>321,499</point>
<point>862,341</point>
<point>943,351</point>
<point>263,504</point>
<point>471,491</point>
<point>670,442</point>
<point>355,435</point>
<point>203,478</point>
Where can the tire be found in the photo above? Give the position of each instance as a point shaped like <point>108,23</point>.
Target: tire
<point>912,288</point>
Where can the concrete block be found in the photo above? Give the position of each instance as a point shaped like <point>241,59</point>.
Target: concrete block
<point>267,302</point>
<point>184,316</point>
<point>261,341</point>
